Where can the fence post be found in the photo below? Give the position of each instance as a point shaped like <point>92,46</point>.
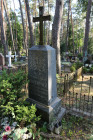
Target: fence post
<point>65,84</point>
<point>90,84</point>
<point>76,100</point>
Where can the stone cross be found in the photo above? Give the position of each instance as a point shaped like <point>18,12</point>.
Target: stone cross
<point>15,57</point>
<point>9,56</point>
<point>40,19</point>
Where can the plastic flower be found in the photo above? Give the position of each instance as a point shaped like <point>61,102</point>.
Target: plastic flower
<point>29,135</point>
<point>25,136</point>
<point>5,137</point>
<point>14,124</point>
<point>8,128</point>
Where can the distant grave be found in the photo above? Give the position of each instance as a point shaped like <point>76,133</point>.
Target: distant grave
<point>22,58</point>
<point>9,56</point>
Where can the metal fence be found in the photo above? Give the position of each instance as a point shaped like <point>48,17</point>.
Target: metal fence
<point>76,103</point>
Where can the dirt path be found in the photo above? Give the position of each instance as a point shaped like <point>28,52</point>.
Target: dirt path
<point>84,85</point>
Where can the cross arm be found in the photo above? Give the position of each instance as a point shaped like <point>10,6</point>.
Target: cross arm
<point>36,19</point>
<point>44,18</point>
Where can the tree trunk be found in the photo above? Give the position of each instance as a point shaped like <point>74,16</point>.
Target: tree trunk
<point>16,47</point>
<point>56,32</point>
<point>9,23</point>
<point>72,27</point>
<point>30,24</point>
<point>67,36</point>
<point>3,38</point>
<point>27,42</point>
<point>87,30</point>
<point>24,31</point>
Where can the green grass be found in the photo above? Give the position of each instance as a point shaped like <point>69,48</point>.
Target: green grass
<point>66,63</point>
<point>76,128</point>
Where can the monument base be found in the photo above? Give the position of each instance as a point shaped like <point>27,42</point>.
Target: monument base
<point>51,114</point>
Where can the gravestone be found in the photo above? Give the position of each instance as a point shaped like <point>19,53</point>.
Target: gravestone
<point>9,56</point>
<point>15,57</point>
<point>42,81</point>
<point>22,58</point>
<point>2,60</point>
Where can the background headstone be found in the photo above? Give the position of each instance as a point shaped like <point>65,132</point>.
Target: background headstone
<point>9,56</point>
<point>15,57</point>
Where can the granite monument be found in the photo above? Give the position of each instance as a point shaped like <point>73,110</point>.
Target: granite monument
<point>42,79</point>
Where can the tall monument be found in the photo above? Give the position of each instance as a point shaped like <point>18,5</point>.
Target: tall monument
<point>42,79</point>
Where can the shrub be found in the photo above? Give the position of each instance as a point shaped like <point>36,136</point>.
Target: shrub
<point>12,105</point>
<point>85,70</point>
<point>78,65</point>
<point>91,70</point>
<point>11,85</point>
<point>80,55</point>
<point>74,65</point>
<point>16,109</point>
<point>72,69</point>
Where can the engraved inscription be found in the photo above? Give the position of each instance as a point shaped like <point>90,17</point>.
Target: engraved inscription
<point>38,75</point>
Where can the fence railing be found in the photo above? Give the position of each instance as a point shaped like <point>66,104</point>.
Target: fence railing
<point>77,103</point>
<point>65,82</point>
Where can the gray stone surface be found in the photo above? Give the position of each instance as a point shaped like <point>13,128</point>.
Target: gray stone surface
<point>42,84</point>
<point>42,74</point>
<point>51,114</point>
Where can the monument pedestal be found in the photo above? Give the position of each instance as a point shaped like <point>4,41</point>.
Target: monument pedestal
<point>51,114</point>
<point>42,84</point>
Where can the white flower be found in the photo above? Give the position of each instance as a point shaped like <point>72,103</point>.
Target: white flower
<point>29,126</point>
<point>5,123</point>
<point>14,124</point>
<point>29,135</point>
<point>90,65</point>
<point>6,118</point>
<point>6,133</point>
<point>9,139</point>
<point>25,136</point>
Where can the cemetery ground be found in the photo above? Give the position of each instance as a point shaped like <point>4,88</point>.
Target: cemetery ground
<point>73,127</point>
<point>18,120</point>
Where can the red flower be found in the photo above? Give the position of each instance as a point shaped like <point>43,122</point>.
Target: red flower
<point>5,137</point>
<point>8,128</point>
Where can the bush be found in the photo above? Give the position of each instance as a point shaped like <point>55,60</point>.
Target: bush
<point>85,70</point>
<point>80,55</point>
<point>74,65</point>
<point>78,65</point>
<point>72,69</point>
<point>11,85</point>
<point>91,70</point>
<point>12,105</point>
